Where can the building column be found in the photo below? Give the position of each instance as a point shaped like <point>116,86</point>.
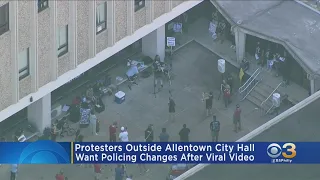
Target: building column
<point>13,19</point>
<point>312,86</point>
<point>111,23</point>
<point>92,29</point>
<point>53,38</point>
<point>150,11</point>
<point>154,43</point>
<point>130,18</point>
<point>168,5</point>
<point>39,113</point>
<point>240,39</point>
<point>34,46</point>
<point>72,36</point>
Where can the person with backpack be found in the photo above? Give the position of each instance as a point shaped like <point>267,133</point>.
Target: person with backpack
<point>215,129</point>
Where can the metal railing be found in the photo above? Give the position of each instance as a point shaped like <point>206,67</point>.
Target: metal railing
<point>250,84</point>
<point>263,105</point>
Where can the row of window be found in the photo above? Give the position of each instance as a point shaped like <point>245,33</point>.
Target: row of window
<point>62,32</point>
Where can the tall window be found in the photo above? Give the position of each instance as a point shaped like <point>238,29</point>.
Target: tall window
<point>62,40</point>
<point>4,18</point>
<point>101,17</point>
<point>42,5</point>
<point>23,60</point>
<point>139,4</point>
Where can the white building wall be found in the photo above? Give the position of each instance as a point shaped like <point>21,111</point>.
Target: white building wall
<point>154,43</point>
<point>39,113</point>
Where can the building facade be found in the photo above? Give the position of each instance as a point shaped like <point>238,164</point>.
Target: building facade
<point>46,43</point>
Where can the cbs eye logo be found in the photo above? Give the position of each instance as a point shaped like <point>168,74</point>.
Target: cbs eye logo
<point>288,150</point>
<point>44,152</point>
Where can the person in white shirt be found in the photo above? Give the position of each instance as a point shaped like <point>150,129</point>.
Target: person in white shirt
<point>124,136</point>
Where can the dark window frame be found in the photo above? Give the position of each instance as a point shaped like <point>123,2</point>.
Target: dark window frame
<point>137,5</point>
<point>25,68</point>
<point>5,27</point>
<point>103,22</point>
<point>42,5</point>
<point>65,45</point>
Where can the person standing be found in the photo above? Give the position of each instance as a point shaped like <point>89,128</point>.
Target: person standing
<point>158,73</point>
<point>97,171</point>
<point>230,82</point>
<point>164,136</point>
<point>215,129</point>
<point>148,134</point>
<point>113,132</point>
<point>221,33</point>
<point>172,109</point>
<point>258,53</point>
<point>124,135</point>
<point>119,172</point>
<point>209,102</point>
<point>14,171</point>
<point>93,122</point>
<point>237,119</point>
<point>226,95</point>
<point>184,134</point>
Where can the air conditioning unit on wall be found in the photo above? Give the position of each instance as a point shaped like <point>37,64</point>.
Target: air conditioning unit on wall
<point>56,112</point>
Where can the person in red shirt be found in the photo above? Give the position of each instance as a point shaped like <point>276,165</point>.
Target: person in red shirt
<point>237,119</point>
<point>60,176</point>
<point>97,171</point>
<point>113,132</point>
<point>226,96</point>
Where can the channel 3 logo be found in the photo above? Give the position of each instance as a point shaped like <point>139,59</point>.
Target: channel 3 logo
<point>283,154</point>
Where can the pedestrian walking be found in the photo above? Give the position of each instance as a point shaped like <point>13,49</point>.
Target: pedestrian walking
<point>215,129</point>
<point>209,101</point>
<point>60,176</point>
<point>237,119</point>
<point>143,168</point>
<point>148,134</point>
<point>93,122</point>
<point>14,171</point>
<point>124,135</point>
<point>164,136</point>
<point>119,172</point>
<point>226,95</point>
<point>184,134</point>
<point>172,109</point>
<point>97,171</point>
<point>113,132</point>
<point>158,72</point>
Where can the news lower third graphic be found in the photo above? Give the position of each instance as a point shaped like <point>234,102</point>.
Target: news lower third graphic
<point>49,152</point>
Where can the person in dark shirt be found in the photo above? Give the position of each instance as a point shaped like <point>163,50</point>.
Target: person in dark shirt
<point>164,136</point>
<point>215,129</point>
<point>184,134</point>
<point>237,119</point>
<point>148,134</point>
<point>172,109</point>
<point>209,101</point>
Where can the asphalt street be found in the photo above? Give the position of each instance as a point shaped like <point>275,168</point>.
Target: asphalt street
<point>195,70</point>
<point>301,126</point>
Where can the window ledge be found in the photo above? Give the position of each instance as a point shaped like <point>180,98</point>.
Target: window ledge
<point>6,33</point>
<point>62,55</point>
<point>140,9</point>
<point>101,31</point>
<point>43,10</point>
<point>25,78</point>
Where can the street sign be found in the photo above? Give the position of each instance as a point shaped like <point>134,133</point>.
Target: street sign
<point>171,41</point>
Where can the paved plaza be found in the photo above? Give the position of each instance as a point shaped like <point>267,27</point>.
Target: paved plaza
<point>302,126</point>
<point>195,70</point>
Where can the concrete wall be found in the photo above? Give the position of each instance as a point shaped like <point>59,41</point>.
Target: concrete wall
<point>175,3</point>
<point>6,94</point>
<point>120,19</point>
<point>159,8</point>
<point>140,18</point>
<point>44,47</point>
<point>102,37</point>
<point>82,31</point>
<point>64,62</point>
<point>24,41</point>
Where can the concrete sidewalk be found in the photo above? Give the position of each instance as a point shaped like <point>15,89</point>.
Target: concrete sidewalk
<point>195,70</point>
